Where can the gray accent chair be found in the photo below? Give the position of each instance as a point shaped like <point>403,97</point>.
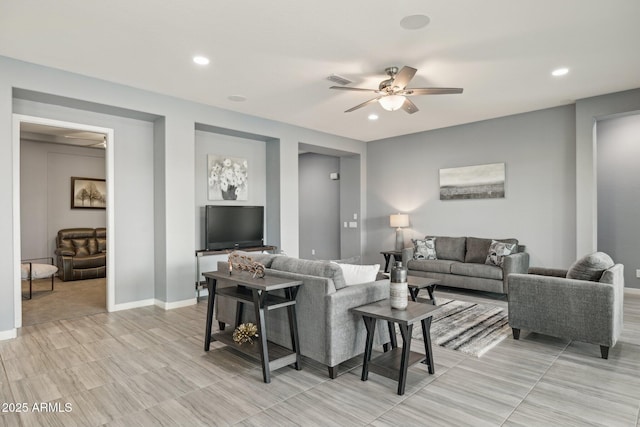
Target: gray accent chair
<point>584,306</point>
<point>329,332</point>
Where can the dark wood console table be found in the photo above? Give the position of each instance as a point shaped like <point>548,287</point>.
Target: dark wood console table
<point>257,291</point>
<point>205,252</point>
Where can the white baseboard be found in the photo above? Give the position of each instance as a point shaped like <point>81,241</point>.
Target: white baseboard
<point>8,335</point>
<point>633,291</point>
<point>175,304</point>
<point>133,304</point>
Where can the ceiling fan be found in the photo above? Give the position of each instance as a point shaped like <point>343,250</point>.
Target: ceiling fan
<point>393,92</point>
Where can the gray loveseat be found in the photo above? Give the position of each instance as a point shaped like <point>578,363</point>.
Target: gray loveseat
<point>329,333</point>
<point>461,263</point>
<point>584,303</point>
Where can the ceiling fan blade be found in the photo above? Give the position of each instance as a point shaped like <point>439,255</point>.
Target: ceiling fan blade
<point>433,91</point>
<point>403,78</point>
<point>359,89</point>
<point>409,106</point>
<point>362,105</point>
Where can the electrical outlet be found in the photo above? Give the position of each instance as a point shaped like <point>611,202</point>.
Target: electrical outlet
<point>313,251</point>
<point>638,274</point>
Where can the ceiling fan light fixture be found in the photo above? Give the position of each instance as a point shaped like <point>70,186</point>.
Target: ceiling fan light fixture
<point>392,102</point>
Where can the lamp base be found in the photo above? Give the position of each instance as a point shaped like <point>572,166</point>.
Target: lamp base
<point>399,239</point>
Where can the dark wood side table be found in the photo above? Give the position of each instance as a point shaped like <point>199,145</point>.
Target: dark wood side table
<point>394,364</point>
<point>416,283</point>
<point>257,291</point>
<point>397,256</point>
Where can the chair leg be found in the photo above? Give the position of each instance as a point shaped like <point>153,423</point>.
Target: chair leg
<point>333,372</point>
<point>604,351</point>
<point>516,333</point>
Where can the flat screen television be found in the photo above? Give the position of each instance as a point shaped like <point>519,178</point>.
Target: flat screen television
<point>233,227</point>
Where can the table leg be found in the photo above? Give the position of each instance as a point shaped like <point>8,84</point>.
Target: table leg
<point>258,303</point>
<point>426,336</point>
<point>370,324</point>
<point>413,293</point>
<point>430,289</point>
<point>392,334</point>
<point>293,325</point>
<point>387,257</point>
<point>211,285</point>
<point>405,331</point>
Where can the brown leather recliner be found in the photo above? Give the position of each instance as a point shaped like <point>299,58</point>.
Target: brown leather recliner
<point>81,253</point>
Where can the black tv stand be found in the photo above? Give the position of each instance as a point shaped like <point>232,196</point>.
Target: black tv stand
<point>205,252</point>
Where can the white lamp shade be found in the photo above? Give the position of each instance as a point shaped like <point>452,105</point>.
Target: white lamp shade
<point>392,102</point>
<point>399,220</point>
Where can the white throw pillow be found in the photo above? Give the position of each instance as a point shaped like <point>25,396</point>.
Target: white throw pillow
<point>40,271</point>
<point>355,273</point>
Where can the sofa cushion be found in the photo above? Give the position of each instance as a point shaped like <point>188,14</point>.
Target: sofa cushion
<point>102,245</point>
<point>89,261</point>
<point>40,271</point>
<point>451,248</point>
<point>355,274</point>
<point>431,265</point>
<point>424,248</point>
<point>477,270</point>
<point>478,248</point>
<point>499,250</point>
<point>310,268</point>
<point>590,267</point>
<point>80,246</point>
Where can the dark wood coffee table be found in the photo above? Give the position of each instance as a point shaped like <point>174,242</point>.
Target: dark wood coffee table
<point>416,283</point>
<point>394,364</point>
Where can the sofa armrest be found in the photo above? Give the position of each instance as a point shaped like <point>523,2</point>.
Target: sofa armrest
<point>345,331</point>
<point>541,271</point>
<point>517,263</point>
<point>65,267</point>
<point>407,255</point>
<point>576,309</point>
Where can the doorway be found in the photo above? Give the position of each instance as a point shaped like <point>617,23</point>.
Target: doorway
<point>69,134</point>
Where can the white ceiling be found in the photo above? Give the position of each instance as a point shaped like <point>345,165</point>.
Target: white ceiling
<point>278,53</point>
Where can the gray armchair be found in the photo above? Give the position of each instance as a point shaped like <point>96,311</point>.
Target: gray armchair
<point>584,303</point>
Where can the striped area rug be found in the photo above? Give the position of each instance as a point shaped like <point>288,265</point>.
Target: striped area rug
<point>468,327</point>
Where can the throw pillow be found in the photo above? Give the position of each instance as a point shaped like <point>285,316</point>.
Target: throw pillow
<point>424,248</point>
<point>499,250</point>
<point>40,271</point>
<point>80,246</point>
<point>590,267</point>
<point>355,273</point>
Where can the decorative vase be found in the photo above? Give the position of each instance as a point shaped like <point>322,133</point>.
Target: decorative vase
<point>230,194</point>
<point>399,287</point>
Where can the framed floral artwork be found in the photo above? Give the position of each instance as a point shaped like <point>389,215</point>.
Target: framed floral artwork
<point>227,178</point>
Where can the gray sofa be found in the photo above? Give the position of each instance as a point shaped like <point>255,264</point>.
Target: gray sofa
<point>584,303</point>
<point>329,333</point>
<point>461,263</point>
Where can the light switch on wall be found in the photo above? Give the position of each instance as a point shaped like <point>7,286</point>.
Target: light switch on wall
<point>353,224</point>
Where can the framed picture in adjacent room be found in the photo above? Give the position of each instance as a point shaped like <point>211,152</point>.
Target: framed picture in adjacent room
<point>473,182</point>
<point>88,193</point>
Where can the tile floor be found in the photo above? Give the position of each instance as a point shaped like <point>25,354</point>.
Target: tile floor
<point>146,367</point>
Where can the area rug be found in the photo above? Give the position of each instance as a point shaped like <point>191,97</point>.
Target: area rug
<point>467,327</point>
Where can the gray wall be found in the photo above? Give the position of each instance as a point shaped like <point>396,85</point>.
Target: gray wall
<point>538,209</point>
<point>618,144</point>
<point>319,206</point>
<point>255,154</point>
<point>45,181</point>
<point>350,198</point>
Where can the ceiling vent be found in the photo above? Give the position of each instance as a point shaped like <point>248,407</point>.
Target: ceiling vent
<point>339,79</point>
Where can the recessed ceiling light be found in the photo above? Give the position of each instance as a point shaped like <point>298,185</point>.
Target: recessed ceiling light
<point>560,72</point>
<point>201,60</point>
<point>373,116</point>
<point>237,98</point>
<point>414,22</point>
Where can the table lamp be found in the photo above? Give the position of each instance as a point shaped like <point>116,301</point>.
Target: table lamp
<point>398,221</point>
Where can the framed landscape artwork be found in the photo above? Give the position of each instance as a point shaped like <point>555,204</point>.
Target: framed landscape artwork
<point>88,193</point>
<point>473,182</point>
<point>227,178</point>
